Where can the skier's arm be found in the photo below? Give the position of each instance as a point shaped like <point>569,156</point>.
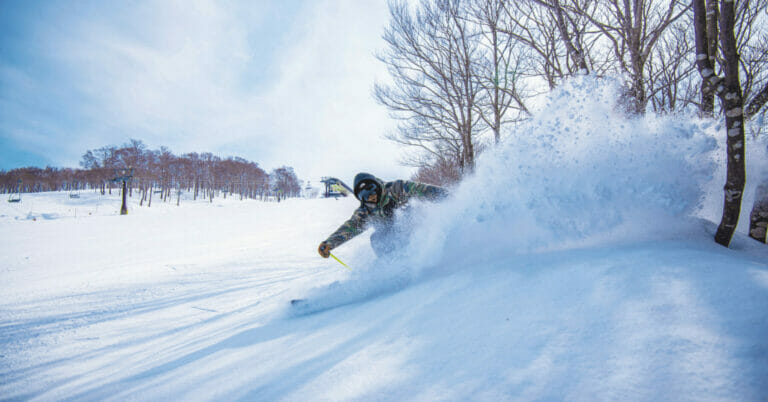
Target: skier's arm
<point>351,228</point>
<point>423,191</point>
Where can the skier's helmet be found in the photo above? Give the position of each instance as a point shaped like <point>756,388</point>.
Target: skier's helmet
<point>365,185</point>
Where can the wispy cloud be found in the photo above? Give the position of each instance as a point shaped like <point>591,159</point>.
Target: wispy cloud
<point>277,84</point>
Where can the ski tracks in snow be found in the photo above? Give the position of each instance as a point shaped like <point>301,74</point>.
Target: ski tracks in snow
<point>65,346</point>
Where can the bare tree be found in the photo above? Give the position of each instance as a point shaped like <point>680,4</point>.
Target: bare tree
<point>758,218</point>
<point>285,183</point>
<point>165,160</point>
<point>707,107</point>
<point>751,27</point>
<point>672,80</point>
<point>573,32</point>
<point>205,173</point>
<point>751,39</point>
<point>530,24</point>
<point>442,172</point>
<point>555,39</point>
<point>431,58</point>
<point>752,30</point>
<point>632,29</point>
<point>751,46</point>
<point>498,69</point>
<point>728,89</point>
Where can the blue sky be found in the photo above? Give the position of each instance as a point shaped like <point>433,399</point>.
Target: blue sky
<point>277,82</point>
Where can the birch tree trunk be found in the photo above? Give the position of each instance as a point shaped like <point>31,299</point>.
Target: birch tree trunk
<point>728,89</point>
<point>707,91</point>
<point>758,219</point>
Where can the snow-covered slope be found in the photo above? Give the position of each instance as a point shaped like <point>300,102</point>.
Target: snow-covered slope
<point>574,265</point>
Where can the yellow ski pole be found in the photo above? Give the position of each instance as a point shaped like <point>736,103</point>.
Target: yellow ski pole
<point>334,257</point>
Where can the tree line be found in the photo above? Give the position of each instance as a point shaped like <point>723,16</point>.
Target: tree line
<point>462,70</point>
<point>204,175</point>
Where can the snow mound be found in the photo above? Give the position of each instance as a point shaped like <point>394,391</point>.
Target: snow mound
<point>580,172</point>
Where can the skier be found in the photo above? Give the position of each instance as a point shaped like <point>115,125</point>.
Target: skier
<point>378,202</point>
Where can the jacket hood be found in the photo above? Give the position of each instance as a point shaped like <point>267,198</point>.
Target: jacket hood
<point>361,179</point>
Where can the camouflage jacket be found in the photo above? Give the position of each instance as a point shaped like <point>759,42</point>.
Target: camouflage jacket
<point>395,194</point>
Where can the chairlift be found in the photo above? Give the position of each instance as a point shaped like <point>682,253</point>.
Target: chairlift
<point>335,187</point>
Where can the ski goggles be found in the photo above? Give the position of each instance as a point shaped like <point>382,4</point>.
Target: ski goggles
<point>365,190</point>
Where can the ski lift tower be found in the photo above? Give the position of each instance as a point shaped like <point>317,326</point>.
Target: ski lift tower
<point>124,175</point>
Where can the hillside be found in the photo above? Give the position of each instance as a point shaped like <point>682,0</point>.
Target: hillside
<point>572,265</point>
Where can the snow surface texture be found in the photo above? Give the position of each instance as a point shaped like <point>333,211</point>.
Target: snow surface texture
<point>577,264</point>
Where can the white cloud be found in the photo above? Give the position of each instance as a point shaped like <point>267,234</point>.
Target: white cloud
<point>177,86</point>
<point>189,75</point>
<point>322,104</point>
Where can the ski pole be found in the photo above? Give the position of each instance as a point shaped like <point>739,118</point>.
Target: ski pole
<point>334,257</point>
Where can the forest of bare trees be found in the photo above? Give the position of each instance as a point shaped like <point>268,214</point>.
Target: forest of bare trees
<point>464,70</point>
<point>157,171</point>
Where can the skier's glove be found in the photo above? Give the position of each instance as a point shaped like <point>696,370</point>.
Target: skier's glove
<point>324,249</point>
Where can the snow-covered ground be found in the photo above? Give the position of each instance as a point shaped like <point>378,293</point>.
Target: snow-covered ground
<point>576,264</point>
